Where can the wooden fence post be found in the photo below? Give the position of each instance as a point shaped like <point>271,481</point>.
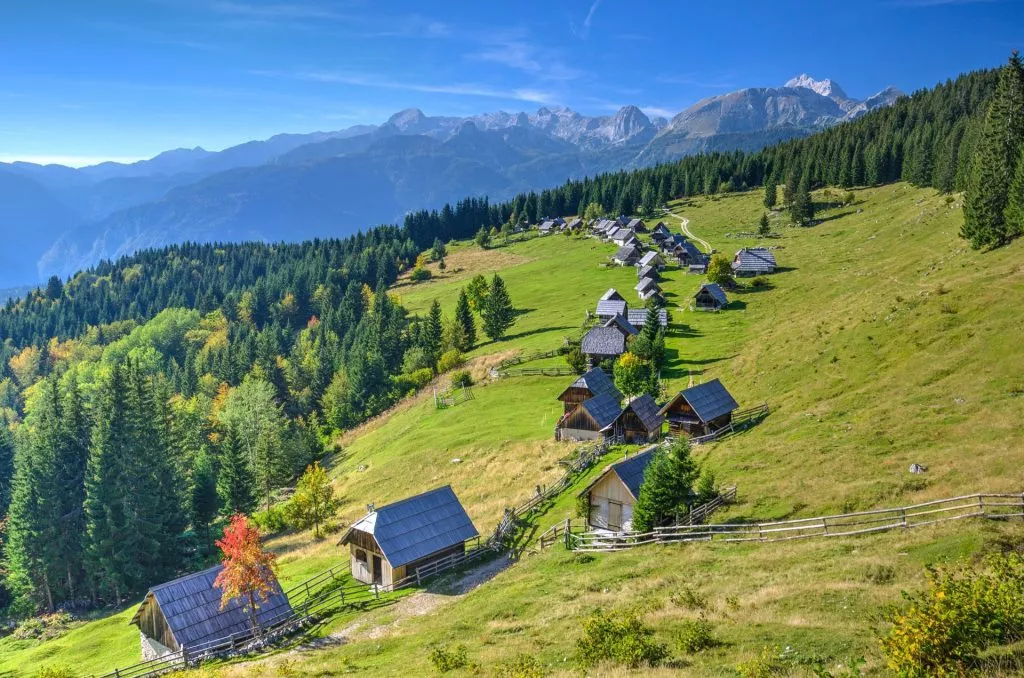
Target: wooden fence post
<point>824,525</point>
<point>981,504</point>
<point>903,515</point>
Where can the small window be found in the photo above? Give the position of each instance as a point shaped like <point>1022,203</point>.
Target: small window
<point>361,556</point>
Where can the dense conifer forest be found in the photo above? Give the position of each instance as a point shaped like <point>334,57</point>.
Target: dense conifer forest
<point>144,397</point>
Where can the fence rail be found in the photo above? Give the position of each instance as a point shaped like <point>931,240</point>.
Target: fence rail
<point>741,420</point>
<point>989,506</point>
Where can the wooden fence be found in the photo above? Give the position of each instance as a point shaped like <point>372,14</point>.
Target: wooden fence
<point>538,372</point>
<point>452,397</point>
<point>697,516</point>
<point>990,506</point>
<point>741,420</point>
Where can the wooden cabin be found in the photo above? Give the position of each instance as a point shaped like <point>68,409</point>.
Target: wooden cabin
<point>612,295</point>
<point>638,317</point>
<point>647,272</point>
<point>751,261</point>
<point>619,322</point>
<point>710,297</point>
<point>609,308</point>
<point>700,410</point>
<point>660,232</point>
<point>613,494</point>
<point>593,383</point>
<point>652,259</point>
<point>627,255</point>
<point>600,343</point>
<point>590,419</point>
<point>389,543</point>
<point>639,422</point>
<point>186,613</point>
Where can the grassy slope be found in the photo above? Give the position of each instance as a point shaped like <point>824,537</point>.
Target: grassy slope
<point>865,371</point>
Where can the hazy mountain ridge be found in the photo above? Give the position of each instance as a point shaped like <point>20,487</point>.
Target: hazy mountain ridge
<point>337,182</point>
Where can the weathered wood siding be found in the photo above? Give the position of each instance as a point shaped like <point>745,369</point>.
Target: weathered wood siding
<point>608,491</point>
<point>153,625</point>
<point>632,430</point>
<point>574,396</point>
<point>363,548</point>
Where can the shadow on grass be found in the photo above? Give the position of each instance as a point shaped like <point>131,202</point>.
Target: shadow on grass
<point>751,289</point>
<point>833,217</point>
<point>527,333</point>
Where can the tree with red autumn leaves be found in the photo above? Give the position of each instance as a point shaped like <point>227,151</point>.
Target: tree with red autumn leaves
<point>248,570</point>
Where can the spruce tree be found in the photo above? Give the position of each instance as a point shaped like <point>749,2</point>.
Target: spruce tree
<point>770,192</point>
<point>995,158</point>
<point>236,483</point>
<point>464,317</point>
<point>1014,213</point>
<point>498,314</point>
<point>430,339</point>
<point>203,498</point>
<point>667,491</point>
<point>6,465</point>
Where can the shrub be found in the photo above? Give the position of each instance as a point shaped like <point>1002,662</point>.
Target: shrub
<point>623,639</point>
<point>521,666</point>
<point>272,520</point>
<point>879,574</point>
<point>706,490</point>
<point>449,360</point>
<point>44,627</point>
<point>420,274</point>
<point>414,381</point>
<point>59,671</point>
<point>445,660</point>
<point>964,610</point>
<point>696,635</point>
<point>462,378</point>
<point>765,665</point>
<point>575,359</point>
<point>759,281</point>
<point>689,599</point>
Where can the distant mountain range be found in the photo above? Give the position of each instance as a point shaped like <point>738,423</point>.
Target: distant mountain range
<point>56,219</point>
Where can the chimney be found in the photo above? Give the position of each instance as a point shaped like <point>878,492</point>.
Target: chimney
<point>370,508</point>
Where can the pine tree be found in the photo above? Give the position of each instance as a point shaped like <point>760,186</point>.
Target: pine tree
<point>236,484</point>
<point>801,209</point>
<point>995,158</point>
<point>6,465</point>
<point>203,498</point>
<point>667,491</point>
<point>1014,213</point>
<point>430,339</point>
<point>464,317</point>
<point>763,227</point>
<point>498,314</point>
<point>770,193</point>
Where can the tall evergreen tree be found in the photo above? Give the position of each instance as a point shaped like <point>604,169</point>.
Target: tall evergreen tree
<point>464,317</point>
<point>6,465</point>
<point>1014,213</point>
<point>236,483</point>
<point>203,498</point>
<point>995,160</point>
<point>667,491</point>
<point>770,193</point>
<point>430,337</point>
<point>498,314</point>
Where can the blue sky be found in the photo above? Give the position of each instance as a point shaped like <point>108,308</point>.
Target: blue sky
<point>126,79</point>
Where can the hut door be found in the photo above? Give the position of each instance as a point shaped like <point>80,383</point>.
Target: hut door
<point>377,574</point>
<point>614,515</point>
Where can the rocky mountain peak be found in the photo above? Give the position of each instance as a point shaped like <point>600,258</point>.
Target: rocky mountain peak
<point>408,118</point>
<point>826,87</point>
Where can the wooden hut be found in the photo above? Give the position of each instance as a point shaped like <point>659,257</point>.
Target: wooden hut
<point>660,232</point>
<point>600,343</point>
<point>590,419</point>
<point>627,255</point>
<point>751,261</point>
<point>389,543</point>
<point>651,259</point>
<point>186,613</point>
<point>612,295</point>
<point>609,308</point>
<point>613,494</point>
<point>638,317</point>
<point>647,272</point>
<point>622,324</point>
<point>710,297</point>
<point>700,410</point>
<point>639,422</point>
<point>593,383</point>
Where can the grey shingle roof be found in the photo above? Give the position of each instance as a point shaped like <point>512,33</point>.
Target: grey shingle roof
<point>646,411</point>
<point>709,400</point>
<point>649,259</point>
<point>574,223</point>
<point>612,295</point>
<point>626,253</point>
<point>191,606</point>
<point>646,284</point>
<point>623,323</point>
<point>611,307</point>
<point>547,226</point>
<point>603,408</point>
<point>603,341</point>
<point>634,224</point>
<point>638,317</point>
<point>631,471</point>
<point>715,291</point>
<point>754,260</point>
<point>597,382</point>
<point>416,527</point>
<point>647,272</point>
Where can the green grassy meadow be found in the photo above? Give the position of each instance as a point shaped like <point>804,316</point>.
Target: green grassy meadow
<point>882,341</point>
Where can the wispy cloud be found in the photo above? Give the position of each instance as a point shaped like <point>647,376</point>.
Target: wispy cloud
<point>528,58</point>
<point>275,11</point>
<point>383,82</point>
<point>583,31</point>
<point>710,81</point>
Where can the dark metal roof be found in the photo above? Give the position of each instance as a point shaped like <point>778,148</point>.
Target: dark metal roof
<point>603,341</point>
<point>611,307</point>
<point>661,229</point>
<point>191,607</point>
<point>715,291</point>
<point>631,471</point>
<point>709,400</point>
<point>646,411</point>
<point>754,260</point>
<point>612,295</point>
<point>416,527</point>
<point>597,382</point>
<point>622,323</point>
<point>603,408</point>
<point>638,317</point>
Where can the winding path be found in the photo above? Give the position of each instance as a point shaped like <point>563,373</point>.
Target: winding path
<point>685,225</point>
